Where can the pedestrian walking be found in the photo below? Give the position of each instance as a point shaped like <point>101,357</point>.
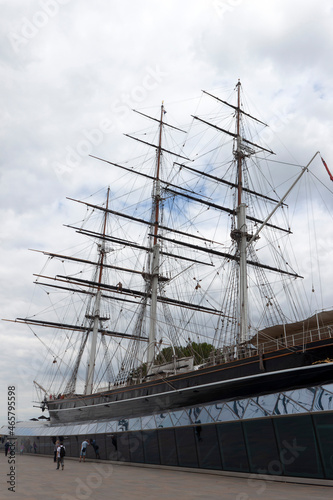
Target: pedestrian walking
<point>6,447</point>
<point>61,453</point>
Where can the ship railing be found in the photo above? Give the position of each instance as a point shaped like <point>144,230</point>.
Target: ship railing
<point>231,353</point>
<point>227,354</point>
<point>297,339</point>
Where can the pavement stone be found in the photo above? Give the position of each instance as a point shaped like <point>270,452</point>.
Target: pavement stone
<point>36,478</point>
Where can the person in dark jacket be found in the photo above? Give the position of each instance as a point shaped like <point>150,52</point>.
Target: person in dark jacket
<point>96,447</point>
<point>56,445</point>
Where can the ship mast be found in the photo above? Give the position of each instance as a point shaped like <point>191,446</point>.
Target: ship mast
<point>96,313</point>
<point>241,230</point>
<point>155,263</point>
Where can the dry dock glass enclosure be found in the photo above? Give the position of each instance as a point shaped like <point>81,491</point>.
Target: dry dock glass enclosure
<point>288,434</point>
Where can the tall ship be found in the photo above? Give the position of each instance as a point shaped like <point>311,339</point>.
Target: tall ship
<point>183,291</point>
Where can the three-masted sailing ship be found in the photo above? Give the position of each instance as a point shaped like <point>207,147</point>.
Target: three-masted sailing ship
<point>174,302</point>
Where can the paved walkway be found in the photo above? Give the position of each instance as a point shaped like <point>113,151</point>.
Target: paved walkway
<point>36,478</point>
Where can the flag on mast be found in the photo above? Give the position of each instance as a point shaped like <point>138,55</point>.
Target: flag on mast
<point>325,165</point>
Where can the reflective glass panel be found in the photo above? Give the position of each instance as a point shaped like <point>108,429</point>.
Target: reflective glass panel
<point>168,450</point>
<point>49,446</point>
<point>134,424</point>
<point>208,447</point>
<point>100,443</point>
<point>227,414</point>
<point>324,428</point>
<point>123,425</point>
<point>151,447</point>
<point>111,426</point>
<point>328,387</point>
<point>69,429</point>
<point>181,418</point>
<point>111,444</point>
<point>238,407</point>
<point>123,447</point>
<point>267,402</point>
<point>261,446</point>
<point>286,406</point>
<point>254,411</point>
<point>84,429</point>
<point>304,397</point>
<point>232,445</point>
<point>163,420</point>
<point>323,400</point>
<point>136,447</point>
<point>74,446</point>
<point>186,447</point>
<point>101,427</point>
<point>58,430</point>
<point>148,422</point>
<point>201,416</point>
<point>298,447</point>
<point>214,411</point>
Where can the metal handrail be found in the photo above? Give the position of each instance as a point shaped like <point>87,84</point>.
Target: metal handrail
<point>322,333</point>
<point>300,338</point>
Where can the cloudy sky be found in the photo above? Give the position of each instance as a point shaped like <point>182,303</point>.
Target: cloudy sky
<point>73,69</point>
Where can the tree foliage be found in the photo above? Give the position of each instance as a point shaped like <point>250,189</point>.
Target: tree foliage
<point>199,351</point>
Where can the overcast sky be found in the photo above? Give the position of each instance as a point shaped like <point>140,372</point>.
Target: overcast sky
<point>73,69</point>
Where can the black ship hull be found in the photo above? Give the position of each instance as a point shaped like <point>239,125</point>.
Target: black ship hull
<point>282,370</point>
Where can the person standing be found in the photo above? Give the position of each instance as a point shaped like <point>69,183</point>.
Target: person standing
<point>61,452</point>
<point>6,448</point>
<point>84,445</point>
<point>56,445</point>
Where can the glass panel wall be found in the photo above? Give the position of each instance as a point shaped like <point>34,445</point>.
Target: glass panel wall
<point>186,447</point>
<point>136,447</point>
<point>168,450</point>
<point>208,448</point>
<point>123,447</point>
<point>324,430</point>
<point>288,434</point>
<point>298,448</point>
<point>232,444</point>
<point>151,447</point>
<point>261,446</point>
<point>111,445</point>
